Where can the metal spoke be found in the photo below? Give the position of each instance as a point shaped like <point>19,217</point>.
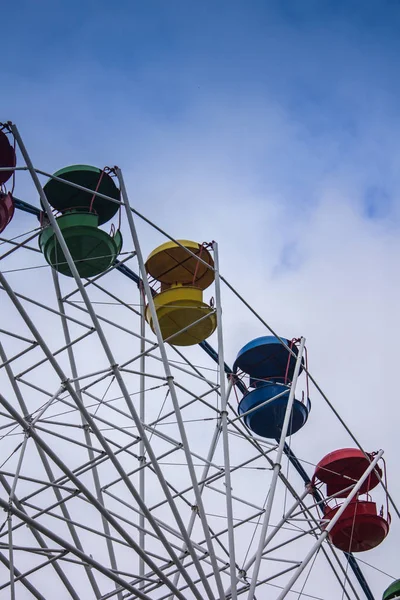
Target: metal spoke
<point>129,470</point>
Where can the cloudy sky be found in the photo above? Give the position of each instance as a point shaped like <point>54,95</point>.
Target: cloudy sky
<point>269,126</point>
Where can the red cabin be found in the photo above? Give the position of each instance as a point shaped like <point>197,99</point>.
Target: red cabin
<point>343,468</point>
<point>7,158</point>
<point>6,210</point>
<point>359,528</point>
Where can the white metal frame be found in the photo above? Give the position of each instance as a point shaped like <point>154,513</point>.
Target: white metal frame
<point>175,556</point>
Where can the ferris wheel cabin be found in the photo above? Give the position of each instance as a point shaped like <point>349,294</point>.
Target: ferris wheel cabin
<point>6,210</point>
<point>93,250</point>
<point>360,527</point>
<point>270,367</point>
<point>7,159</point>
<point>392,592</point>
<point>184,318</point>
<point>344,467</point>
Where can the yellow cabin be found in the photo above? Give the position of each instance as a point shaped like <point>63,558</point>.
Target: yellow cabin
<point>185,320</point>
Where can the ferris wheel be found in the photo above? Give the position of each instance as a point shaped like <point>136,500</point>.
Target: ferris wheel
<point>135,462</point>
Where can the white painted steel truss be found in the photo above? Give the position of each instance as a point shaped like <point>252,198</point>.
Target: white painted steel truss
<point>125,471</point>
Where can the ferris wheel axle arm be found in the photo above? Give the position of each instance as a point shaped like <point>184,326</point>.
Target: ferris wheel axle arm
<point>174,399</point>
<point>275,474</point>
<point>119,380</point>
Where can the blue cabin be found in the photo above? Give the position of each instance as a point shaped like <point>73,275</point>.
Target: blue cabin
<point>266,358</point>
<point>270,367</point>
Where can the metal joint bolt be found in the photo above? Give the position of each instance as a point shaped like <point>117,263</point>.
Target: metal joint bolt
<point>311,488</point>
<point>27,429</point>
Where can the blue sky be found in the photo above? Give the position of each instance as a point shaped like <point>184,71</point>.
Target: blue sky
<point>307,89</point>
<point>263,108</point>
<point>266,121</point>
